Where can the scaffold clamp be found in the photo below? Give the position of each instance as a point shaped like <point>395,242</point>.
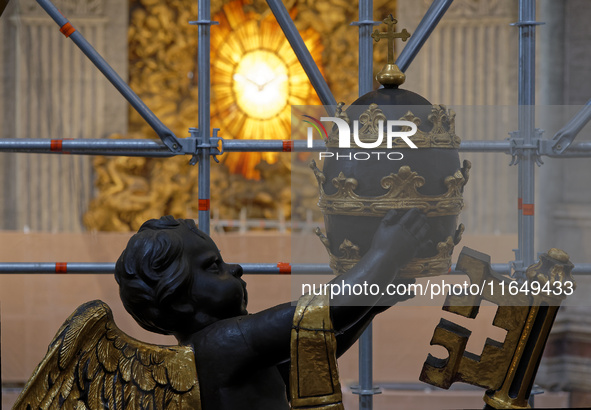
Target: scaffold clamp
<point>203,23</point>
<point>366,392</point>
<point>518,270</point>
<point>193,145</point>
<point>215,150</point>
<point>518,147</point>
<point>517,267</point>
<point>566,135</point>
<point>366,23</point>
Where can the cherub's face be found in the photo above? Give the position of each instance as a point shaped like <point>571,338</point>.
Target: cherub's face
<point>218,289</point>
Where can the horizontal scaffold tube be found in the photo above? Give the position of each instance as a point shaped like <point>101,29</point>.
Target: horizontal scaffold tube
<point>248,268</point>
<point>141,147</point>
<point>102,268</point>
<point>154,148</point>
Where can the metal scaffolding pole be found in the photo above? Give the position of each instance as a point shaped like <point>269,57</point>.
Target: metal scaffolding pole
<point>526,114</point>
<point>366,389</point>
<point>564,138</point>
<point>303,54</point>
<point>365,24</point>
<point>69,31</point>
<point>422,33</point>
<point>109,268</point>
<point>203,134</point>
<point>146,147</point>
<point>281,268</point>
<point>154,148</point>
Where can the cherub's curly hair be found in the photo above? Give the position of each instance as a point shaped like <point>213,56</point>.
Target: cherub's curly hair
<point>155,279</point>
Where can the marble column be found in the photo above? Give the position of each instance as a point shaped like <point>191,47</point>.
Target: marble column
<point>50,90</point>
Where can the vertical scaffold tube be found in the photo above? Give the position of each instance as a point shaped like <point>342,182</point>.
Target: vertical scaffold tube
<point>365,47</point>
<point>365,86</point>
<point>526,186</point>
<point>204,133</point>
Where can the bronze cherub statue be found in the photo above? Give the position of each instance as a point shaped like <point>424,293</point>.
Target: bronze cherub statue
<point>174,281</point>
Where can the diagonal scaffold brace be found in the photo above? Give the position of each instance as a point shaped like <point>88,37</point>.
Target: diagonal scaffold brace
<point>177,146</point>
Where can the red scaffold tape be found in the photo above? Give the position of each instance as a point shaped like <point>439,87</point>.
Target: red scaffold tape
<point>284,268</point>
<point>519,204</point>
<point>67,29</point>
<point>61,267</point>
<point>287,146</point>
<point>528,209</point>
<point>204,204</point>
<point>56,145</point>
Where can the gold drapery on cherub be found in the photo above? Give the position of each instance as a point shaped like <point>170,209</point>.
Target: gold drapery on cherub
<point>314,375</point>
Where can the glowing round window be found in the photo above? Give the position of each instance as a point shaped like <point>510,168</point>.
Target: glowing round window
<point>255,79</point>
<point>261,84</point>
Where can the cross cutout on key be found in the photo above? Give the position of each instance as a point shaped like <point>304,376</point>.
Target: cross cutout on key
<point>482,328</point>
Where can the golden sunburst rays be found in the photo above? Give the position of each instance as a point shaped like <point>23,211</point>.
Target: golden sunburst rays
<point>255,79</point>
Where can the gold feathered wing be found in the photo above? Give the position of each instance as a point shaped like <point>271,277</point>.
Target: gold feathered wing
<point>92,365</point>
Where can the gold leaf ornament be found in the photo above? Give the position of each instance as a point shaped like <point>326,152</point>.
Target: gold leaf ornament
<point>401,193</point>
<point>92,364</point>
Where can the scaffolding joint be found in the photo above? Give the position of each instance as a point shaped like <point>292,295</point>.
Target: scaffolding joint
<point>194,144</point>
<point>366,23</point>
<point>203,23</point>
<point>536,146</point>
<point>214,150</point>
<point>518,269</point>
<point>366,392</point>
<point>552,147</point>
<point>527,23</point>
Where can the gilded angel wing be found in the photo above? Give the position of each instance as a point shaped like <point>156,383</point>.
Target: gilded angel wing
<point>92,365</point>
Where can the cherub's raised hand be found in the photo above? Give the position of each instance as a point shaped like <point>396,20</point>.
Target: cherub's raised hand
<point>394,244</point>
<point>400,237</point>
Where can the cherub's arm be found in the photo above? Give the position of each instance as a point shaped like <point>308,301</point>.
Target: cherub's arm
<point>268,332</point>
<point>394,244</point>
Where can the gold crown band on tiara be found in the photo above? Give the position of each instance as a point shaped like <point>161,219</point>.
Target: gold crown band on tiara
<point>441,135</point>
<point>401,194</point>
<point>439,264</point>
